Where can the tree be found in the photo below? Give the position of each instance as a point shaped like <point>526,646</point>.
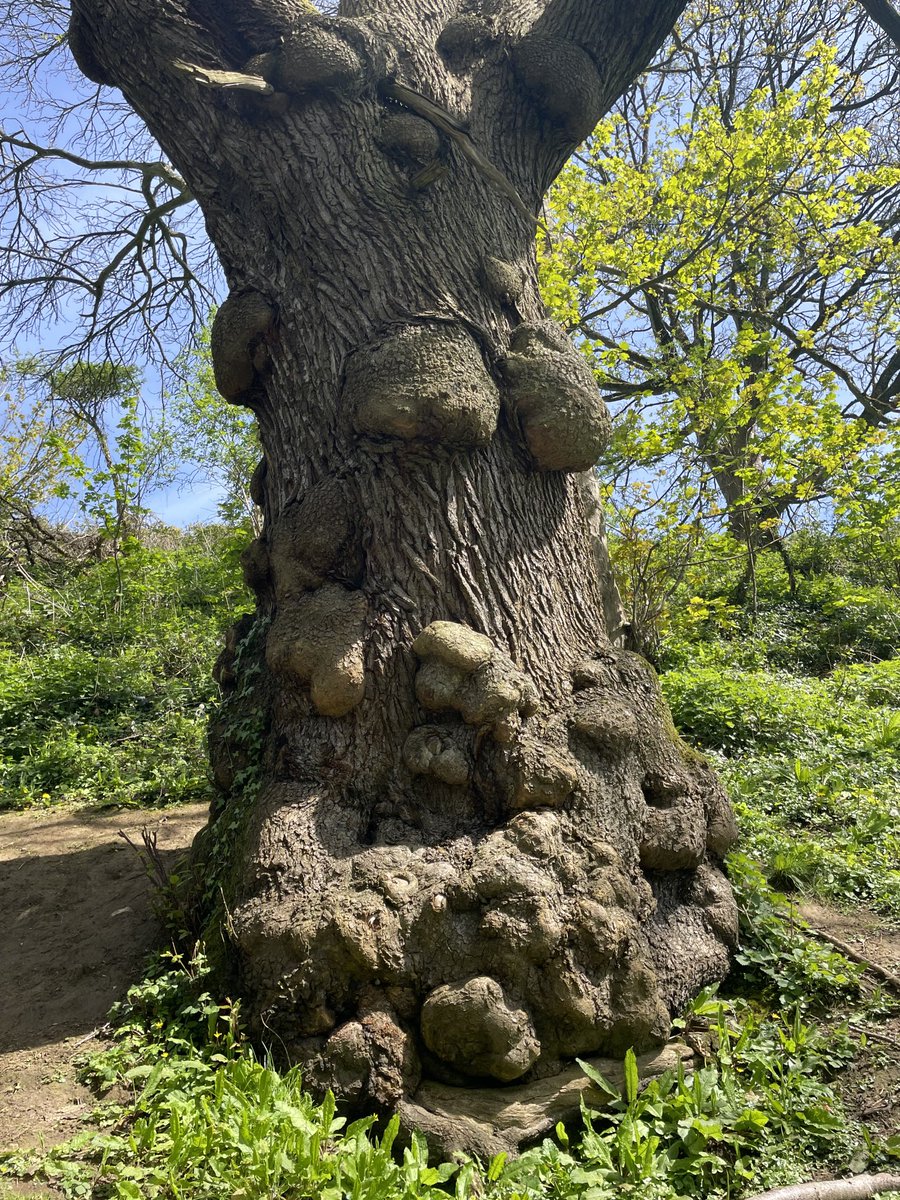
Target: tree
<point>112,455</point>
<point>213,439</point>
<point>727,248</point>
<point>77,461</point>
<point>33,448</point>
<point>457,836</point>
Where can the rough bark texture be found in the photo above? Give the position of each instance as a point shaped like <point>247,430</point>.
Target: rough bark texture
<point>458,839</point>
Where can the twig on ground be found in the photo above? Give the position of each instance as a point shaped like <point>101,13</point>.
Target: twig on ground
<point>851,953</point>
<point>150,856</point>
<point>101,1029</point>
<point>875,1034</point>
<point>860,1187</point>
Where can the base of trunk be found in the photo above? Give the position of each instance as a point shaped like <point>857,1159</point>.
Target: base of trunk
<point>485,1122</point>
<point>543,890</point>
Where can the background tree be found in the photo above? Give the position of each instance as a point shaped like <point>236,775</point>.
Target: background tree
<point>32,450</point>
<point>114,453</point>
<point>79,456</point>
<point>213,440</point>
<point>447,805</point>
<point>726,246</point>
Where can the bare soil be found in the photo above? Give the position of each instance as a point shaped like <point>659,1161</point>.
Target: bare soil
<point>871,1087</point>
<point>76,923</point>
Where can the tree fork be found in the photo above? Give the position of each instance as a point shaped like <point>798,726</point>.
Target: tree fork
<point>457,837</point>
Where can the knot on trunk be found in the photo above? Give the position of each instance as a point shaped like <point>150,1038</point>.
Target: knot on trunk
<point>685,813</point>
<point>423,382</point>
<point>317,639</point>
<point>240,339</point>
<point>313,540</point>
<point>438,751</point>
<point>465,38</point>
<point>505,281</point>
<point>474,1027</point>
<point>81,49</point>
<point>372,1060</point>
<point>563,81</point>
<point>464,671</point>
<point>319,54</point>
<point>555,397</point>
<point>609,725</point>
<point>535,774</point>
<point>256,565</point>
<point>258,483</point>
<point>409,138</point>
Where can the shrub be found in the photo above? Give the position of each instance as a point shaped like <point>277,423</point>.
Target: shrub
<point>105,681</point>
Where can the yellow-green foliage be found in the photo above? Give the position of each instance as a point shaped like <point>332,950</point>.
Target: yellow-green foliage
<point>730,279</point>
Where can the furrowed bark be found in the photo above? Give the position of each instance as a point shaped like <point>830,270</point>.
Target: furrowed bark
<point>457,839</point>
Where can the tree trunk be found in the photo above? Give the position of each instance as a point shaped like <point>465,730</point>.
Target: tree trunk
<point>457,836</point>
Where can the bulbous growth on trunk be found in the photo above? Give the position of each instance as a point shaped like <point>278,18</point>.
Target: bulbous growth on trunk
<point>457,841</point>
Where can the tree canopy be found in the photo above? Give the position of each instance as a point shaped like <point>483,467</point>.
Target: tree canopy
<point>726,248</point>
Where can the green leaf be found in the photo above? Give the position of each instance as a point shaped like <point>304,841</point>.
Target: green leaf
<point>632,1078</point>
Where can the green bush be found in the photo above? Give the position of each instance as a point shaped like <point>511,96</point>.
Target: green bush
<point>105,679</point>
<point>876,684</point>
<point>730,710</point>
<point>775,959</point>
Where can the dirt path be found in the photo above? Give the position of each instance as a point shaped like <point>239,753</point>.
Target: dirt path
<point>76,922</point>
<point>871,1087</point>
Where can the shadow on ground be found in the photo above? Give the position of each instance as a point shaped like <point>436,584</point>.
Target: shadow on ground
<point>77,923</point>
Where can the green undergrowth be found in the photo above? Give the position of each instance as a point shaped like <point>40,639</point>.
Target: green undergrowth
<point>798,707</point>
<point>105,685</point>
<point>191,1112</point>
<point>813,769</point>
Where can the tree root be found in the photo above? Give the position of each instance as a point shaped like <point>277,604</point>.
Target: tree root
<point>860,1187</point>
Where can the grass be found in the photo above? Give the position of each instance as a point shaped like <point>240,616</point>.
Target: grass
<point>813,768</point>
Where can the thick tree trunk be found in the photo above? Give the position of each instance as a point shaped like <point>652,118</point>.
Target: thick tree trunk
<point>457,836</point>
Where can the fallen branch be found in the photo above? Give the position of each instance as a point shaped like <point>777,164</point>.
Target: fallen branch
<point>851,953</point>
<point>860,1187</point>
<point>875,1034</point>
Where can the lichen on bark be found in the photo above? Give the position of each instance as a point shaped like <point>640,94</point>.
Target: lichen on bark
<point>445,798</point>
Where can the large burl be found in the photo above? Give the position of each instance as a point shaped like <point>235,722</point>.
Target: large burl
<point>538,884</point>
<point>457,842</point>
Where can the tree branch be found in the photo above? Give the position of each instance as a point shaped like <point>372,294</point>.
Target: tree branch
<point>886,16</point>
<point>860,1187</point>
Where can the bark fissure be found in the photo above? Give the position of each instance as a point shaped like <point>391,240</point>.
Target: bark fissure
<point>461,840</point>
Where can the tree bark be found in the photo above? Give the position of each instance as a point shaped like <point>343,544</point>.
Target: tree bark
<point>457,837</point>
